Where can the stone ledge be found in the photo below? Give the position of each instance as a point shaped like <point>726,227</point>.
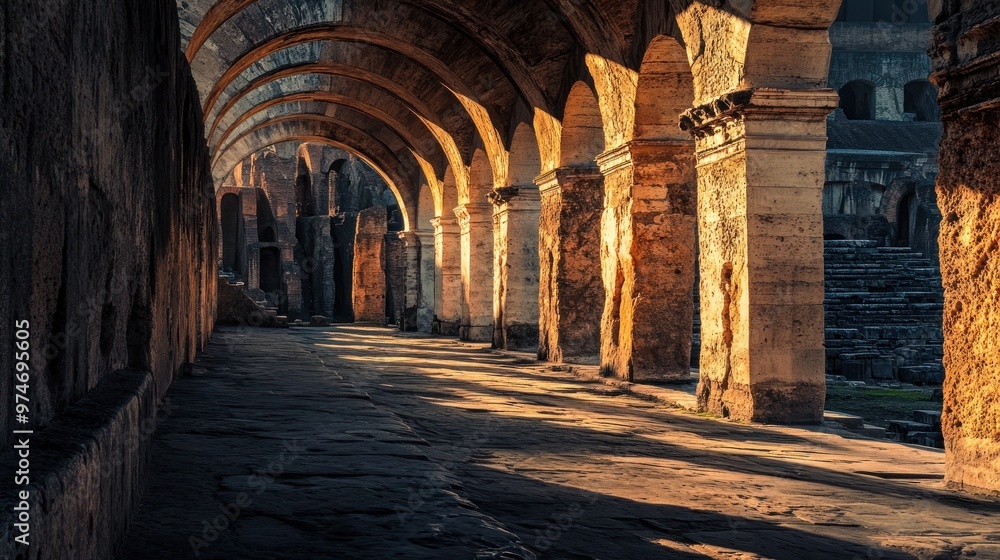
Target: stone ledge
<point>87,472</point>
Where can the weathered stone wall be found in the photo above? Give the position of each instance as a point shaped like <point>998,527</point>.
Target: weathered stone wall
<point>571,292</point>
<point>109,248</point>
<point>395,278</point>
<point>648,261</point>
<point>369,266</point>
<point>515,267</point>
<point>969,198</point>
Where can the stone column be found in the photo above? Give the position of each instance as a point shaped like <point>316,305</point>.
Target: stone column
<point>427,283</point>
<point>648,260</point>
<point>476,225</point>
<point>570,290</point>
<point>369,266</point>
<point>968,194</point>
<point>411,297</point>
<point>760,182</point>
<point>448,277</point>
<point>515,267</point>
<point>395,279</point>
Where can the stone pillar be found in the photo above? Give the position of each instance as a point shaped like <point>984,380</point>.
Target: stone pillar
<point>428,283</point>
<point>515,267</point>
<point>648,260</point>
<point>411,294</point>
<point>369,266</point>
<point>761,160</point>
<point>475,222</point>
<point>395,278</point>
<point>570,290</point>
<point>448,277</point>
<point>292,305</point>
<point>968,193</point>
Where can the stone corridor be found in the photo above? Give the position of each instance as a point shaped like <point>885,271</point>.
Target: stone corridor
<point>362,442</point>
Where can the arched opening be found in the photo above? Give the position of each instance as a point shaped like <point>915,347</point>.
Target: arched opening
<point>266,223</point>
<point>525,159</point>
<point>232,239</point>
<point>583,129</point>
<point>336,184</point>
<point>270,269</point>
<point>857,99</point>
<point>305,205</point>
<point>833,237</point>
<point>904,219</point>
<point>266,235</point>
<point>920,100</point>
<point>648,269</point>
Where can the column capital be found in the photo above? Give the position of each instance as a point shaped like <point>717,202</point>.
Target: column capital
<point>505,195</point>
<point>471,213</point>
<point>444,226</point>
<point>409,237</point>
<point>550,180</point>
<point>624,155</point>
<point>763,103</point>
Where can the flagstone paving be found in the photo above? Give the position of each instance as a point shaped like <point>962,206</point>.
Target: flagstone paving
<point>404,446</point>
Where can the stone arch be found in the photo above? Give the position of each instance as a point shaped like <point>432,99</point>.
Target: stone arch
<point>664,92</point>
<point>583,137</point>
<point>480,179</point>
<point>525,157</point>
<point>920,99</point>
<point>231,219</point>
<point>893,195</point>
<point>386,165</point>
<point>426,204</point>
<point>266,223</point>
<point>648,227</point>
<point>857,99</point>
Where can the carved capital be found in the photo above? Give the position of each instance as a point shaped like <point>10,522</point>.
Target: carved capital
<point>503,195</point>
<point>763,103</point>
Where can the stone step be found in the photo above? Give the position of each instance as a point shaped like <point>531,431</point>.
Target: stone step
<point>846,420</point>
<point>929,417</point>
<point>899,429</point>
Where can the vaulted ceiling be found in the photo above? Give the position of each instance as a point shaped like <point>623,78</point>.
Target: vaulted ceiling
<point>412,86</point>
<point>416,87</point>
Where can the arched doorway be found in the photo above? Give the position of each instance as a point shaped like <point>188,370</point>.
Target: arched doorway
<point>231,210</point>
<point>857,99</point>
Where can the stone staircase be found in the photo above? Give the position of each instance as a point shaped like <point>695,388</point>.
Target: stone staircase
<point>924,429</point>
<point>883,314</point>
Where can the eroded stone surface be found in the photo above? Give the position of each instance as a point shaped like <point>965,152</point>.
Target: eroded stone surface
<point>270,453</point>
<point>369,290</point>
<point>580,472</point>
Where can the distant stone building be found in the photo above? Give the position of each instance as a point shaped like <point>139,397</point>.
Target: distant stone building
<point>884,297</point>
<point>289,219</point>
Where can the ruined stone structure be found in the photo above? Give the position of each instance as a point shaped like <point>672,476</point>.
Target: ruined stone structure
<point>289,229</point>
<point>562,173</point>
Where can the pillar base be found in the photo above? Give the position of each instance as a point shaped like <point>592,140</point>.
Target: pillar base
<point>765,402</point>
<point>476,334</point>
<point>521,336</point>
<point>446,328</point>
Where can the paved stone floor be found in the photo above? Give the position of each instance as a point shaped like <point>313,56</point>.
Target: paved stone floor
<point>574,470</point>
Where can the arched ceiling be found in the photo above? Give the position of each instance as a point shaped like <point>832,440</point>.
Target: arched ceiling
<point>416,84</point>
<point>423,84</point>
